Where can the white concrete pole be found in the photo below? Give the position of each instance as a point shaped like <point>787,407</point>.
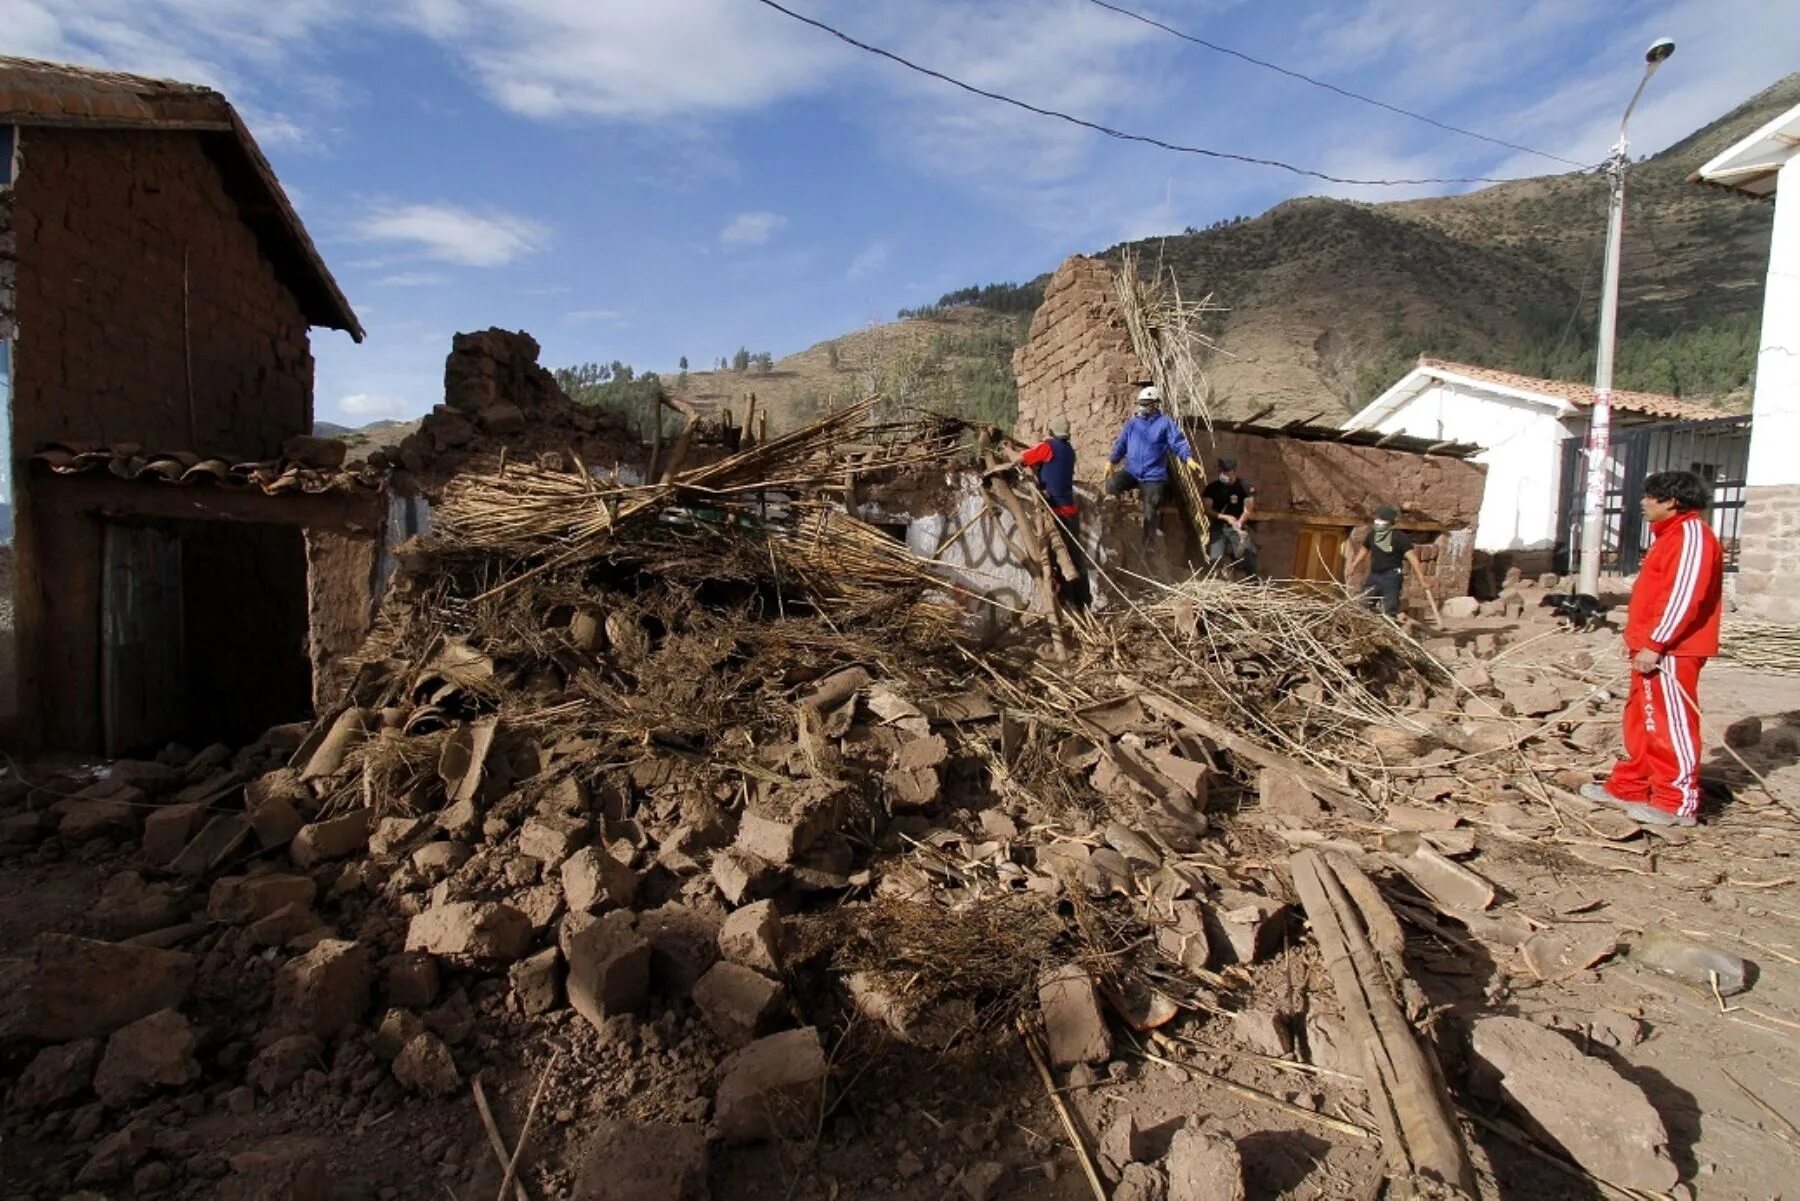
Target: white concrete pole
<point>1775,421</point>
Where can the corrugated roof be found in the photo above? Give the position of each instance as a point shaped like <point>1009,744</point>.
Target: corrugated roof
<point>1651,404</point>
<point>274,477</point>
<point>33,92</point>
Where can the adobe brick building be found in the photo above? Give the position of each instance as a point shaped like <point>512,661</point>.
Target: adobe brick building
<point>156,292</point>
<point>1316,485</point>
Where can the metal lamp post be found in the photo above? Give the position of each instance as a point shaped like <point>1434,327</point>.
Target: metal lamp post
<point>1599,442</point>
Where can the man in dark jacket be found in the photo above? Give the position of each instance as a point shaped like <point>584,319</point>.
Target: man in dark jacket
<point>1140,456</point>
<point>1386,550</point>
<point>1230,503</point>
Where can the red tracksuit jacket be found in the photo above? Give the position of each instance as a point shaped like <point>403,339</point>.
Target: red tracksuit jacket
<point>1679,598</point>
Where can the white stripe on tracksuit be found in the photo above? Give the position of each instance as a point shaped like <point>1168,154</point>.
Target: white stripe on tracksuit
<point>1681,737</point>
<point>1682,588</point>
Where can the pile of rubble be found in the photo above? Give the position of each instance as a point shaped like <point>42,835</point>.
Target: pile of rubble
<point>684,776</point>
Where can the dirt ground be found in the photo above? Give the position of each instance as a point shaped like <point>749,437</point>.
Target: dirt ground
<point>1722,1073</point>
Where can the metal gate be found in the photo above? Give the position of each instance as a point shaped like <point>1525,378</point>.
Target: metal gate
<point>1717,450</point>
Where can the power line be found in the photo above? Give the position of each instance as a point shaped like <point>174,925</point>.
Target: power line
<point>1120,134</point>
<point>1332,87</point>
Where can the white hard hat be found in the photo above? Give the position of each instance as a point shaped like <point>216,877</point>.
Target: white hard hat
<point>1149,395</point>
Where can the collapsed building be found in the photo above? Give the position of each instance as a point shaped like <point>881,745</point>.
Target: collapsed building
<point>1316,485</point>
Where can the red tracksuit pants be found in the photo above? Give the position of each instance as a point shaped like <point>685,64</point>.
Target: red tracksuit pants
<point>1662,738</point>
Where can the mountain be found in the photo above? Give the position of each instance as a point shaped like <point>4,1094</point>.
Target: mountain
<point>364,438</point>
<point>1330,301</point>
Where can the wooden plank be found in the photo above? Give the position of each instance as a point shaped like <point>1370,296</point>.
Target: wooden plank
<point>1239,746</point>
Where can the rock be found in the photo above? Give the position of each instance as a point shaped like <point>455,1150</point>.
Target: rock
<point>275,821</point>
<point>424,1065</point>
<point>322,454</point>
<point>1286,793</point>
<point>1140,1182</point>
<point>1459,608</point>
<point>410,978</point>
<point>284,1061</point>
<point>79,988</point>
<point>1531,698</point>
<point>1601,1120</point>
<point>638,1161</point>
<point>594,880</point>
<point>1745,731</point>
<point>470,932</point>
<point>742,876</point>
<point>150,1053</point>
<point>460,820</point>
<point>396,1028</point>
<point>1122,1143</point>
<point>1486,646</point>
<point>118,1153</point>
<point>1204,1167</point>
<point>752,936</point>
<point>1075,1026</point>
<point>684,942</point>
<point>333,838</point>
<point>1264,1032</point>
<point>435,860</point>
<point>1245,926</point>
<point>243,899</point>
<point>981,1181</point>
<point>501,419</point>
<point>285,925</point>
<point>280,1169</point>
<point>1549,581</point>
<point>609,968</point>
<point>166,832</point>
<point>739,1003</point>
<point>541,904</point>
<point>534,981</point>
<point>1417,819</point>
<point>55,1075</point>
<point>222,834</point>
<point>83,820</point>
<point>772,1088</point>
<point>551,838</point>
<point>1183,939</point>
<point>129,907</point>
<point>1450,884</point>
<point>780,828</point>
<point>326,989</point>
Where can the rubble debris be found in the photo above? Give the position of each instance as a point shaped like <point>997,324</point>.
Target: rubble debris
<point>289,1169</point>
<point>1449,884</point>
<point>241,900</point>
<point>981,1180</point>
<point>471,932</point>
<point>79,988</point>
<point>56,1074</point>
<point>751,936</point>
<point>593,880</point>
<point>737,1002</point>
<point>1203,1166</point>
<point>410,979</point>
<point>536,981</point>
<point>1245,927</point>
<point>278,1065</point>
<point>326,989</point>
<point>166,831</point>
<point>1074,1025</point>
<point>609,968</point>
<point>772,1088</point>
<point>1689,959</point>
<point>1599,1118</point>
<point>424,1065</point>
<point>628,1161</point>
<point>153,1052</point>
<point>333,838</point>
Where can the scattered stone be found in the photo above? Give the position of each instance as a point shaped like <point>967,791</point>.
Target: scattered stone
<point>1415,819</point>
<point>594,880</point>
<point>424,1065</point>
<point>285,925</point>
<point>1286,793</point>
<point>738,1002</point>
<point>83,820</point>
<point>1620,1031</point>
<point>129,907</point>
<point>326,989</point>
<point>1744,732</point>
<point>684,942</point>
<point>981,1181</point>
<point>1141,1182</point>
<point>1512,604</point>
<point>79,988</point>
<point>153,1052</point>
<point>118,1153</point>
<point>275,821</point>
<point>637,1161</point>
<point>1245,926</point>
<point>278,1170</point>
<point>1531,698</point>
<point>282,1062</point>
<point>1451,885</point>
<point>1183,938</point>
<point>772,1088</point>
<point>1459,608</point>
<point>551,838</point>
<point>541,904</point>
<point>435,860</point>
<point>1121,1144</point>
<point>223,834</point>
<point>333,838</point>
<point>166,832</point>
<point>243,899</point>
<point>534,981</point>
<point>460,820</point>
<point>782,827</point>
<point>411,979</point>
<point>55,1075</point>
<point>471,932</point>
<point>1204,1166</point>
<point>742,876</point>
<point>609,968</point>
<point>752,936</point>
<point>1486,646</point>
<point>1603,1121</point>
<point>1264,1032</point>
<point>1075,1026</point>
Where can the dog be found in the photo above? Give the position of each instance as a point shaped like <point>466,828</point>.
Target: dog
<point>1581,611</point>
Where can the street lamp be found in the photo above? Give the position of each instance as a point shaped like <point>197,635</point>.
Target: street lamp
<point>1599,443</point>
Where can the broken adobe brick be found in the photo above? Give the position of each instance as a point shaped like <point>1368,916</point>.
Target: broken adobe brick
<point>333,838</point>
<point>752,936</point>
<point>609,968</point>
<point>470,931</point>
<point>244,899</point>
<point>325,990</point>
<point>1074,1025</point>
<point>738,1003</point>
<point>772,1088</point>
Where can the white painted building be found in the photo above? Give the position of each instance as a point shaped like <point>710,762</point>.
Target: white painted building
<point>1765,166</point>
<point>1522,423</point>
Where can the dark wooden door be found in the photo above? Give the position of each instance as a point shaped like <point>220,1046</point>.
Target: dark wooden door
<point>142,690</point>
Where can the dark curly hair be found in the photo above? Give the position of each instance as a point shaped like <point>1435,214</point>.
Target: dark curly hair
<point>1683,489</point>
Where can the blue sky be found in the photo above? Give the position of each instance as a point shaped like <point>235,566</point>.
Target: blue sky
<point>644,179</point>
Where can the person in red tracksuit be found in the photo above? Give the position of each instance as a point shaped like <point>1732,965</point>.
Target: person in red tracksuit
<point>1671,631</point>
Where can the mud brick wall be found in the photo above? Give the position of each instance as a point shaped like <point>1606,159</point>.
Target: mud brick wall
<point>103,223</point>
<point>1078,362</point>
<point>1769,553</point>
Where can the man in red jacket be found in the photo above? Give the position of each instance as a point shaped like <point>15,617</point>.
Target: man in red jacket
<point>1670,633</point>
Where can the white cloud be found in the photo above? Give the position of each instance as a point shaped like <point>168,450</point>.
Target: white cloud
<point>408,279</point>
<point>871,260</point>
<point>446,233</point>
<point>372,406</point>
<point>593,315</point>
<point>752,228</point>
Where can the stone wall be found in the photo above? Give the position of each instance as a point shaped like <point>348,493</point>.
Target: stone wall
<point>1078,362</point>
<point>1769,553</point>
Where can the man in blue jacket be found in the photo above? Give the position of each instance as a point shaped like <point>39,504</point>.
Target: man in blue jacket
<point>1143,447</point>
